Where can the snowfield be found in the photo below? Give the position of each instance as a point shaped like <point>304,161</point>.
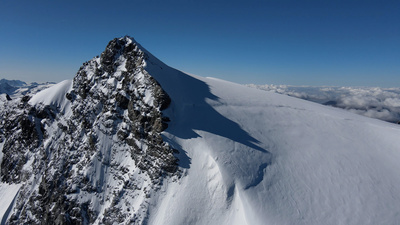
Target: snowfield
<point>255,157</point>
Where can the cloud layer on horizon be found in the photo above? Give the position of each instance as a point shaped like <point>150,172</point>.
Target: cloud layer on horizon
<point>374,102</point>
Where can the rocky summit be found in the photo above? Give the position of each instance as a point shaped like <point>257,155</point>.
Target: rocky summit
<point>93,154</point>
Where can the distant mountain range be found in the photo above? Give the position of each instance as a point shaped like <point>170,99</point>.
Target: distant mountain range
<point>9,86</point>
<point>130,140</point>
<point>18,88</point>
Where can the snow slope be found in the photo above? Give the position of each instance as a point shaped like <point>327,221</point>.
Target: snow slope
<point>54,95</point>
<point>254,157</point>
<point>7,196</point>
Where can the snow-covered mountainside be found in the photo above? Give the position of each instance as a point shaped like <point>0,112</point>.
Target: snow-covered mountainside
<point>104,149</point>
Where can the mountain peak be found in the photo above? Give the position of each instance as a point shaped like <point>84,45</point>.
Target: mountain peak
<point>126,47</point>
<point>102,128</point>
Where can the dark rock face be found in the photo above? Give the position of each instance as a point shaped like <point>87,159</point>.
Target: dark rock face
<point>23,134</point>
<point>87,163</point>
<point>145,119</point>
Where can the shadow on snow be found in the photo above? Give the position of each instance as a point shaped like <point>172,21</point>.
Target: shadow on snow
<point>190,109</point>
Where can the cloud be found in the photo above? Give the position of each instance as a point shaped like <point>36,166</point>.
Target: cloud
<point>379,103</point>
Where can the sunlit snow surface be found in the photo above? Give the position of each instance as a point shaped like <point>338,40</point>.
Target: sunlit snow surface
<point>262,158</point>
<point>255,157</point>
<point>54,95</point>
<point>7,195</point>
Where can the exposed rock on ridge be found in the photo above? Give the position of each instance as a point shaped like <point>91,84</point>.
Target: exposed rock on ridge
<point>96,155</point>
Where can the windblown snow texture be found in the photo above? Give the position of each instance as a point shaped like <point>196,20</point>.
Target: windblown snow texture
<point>97,150</point>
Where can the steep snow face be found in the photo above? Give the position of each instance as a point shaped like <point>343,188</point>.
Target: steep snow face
<point>53,96</point>
<point>262,158</point>
<point>8,194</point>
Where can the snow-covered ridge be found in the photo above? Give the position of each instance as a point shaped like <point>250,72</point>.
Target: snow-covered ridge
<point>53,96</point>
<point>246,156</point>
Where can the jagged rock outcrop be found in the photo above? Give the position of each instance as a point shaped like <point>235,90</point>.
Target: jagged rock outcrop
<point>96,155</point>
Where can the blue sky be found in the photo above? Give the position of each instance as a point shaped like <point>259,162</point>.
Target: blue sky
<point>335,43</point>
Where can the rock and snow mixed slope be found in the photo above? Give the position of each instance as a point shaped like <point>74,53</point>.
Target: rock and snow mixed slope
<point>245,156</point>
<point>89,150</point>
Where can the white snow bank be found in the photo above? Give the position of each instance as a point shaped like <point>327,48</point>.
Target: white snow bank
<point>54,95</point>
